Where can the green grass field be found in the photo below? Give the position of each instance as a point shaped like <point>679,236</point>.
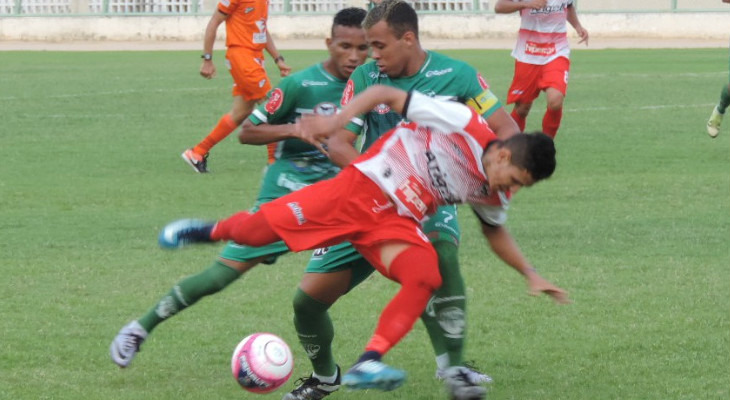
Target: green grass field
<point>635,224</point>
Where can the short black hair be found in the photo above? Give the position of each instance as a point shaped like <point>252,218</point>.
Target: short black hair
<point>398,14</point>
<point>535,152</point>
<point>351,17</point>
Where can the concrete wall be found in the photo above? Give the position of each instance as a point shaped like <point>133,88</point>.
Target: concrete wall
<point>704,25</point>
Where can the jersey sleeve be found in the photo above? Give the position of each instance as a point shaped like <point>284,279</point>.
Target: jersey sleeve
<point>489,214</point>
<point>477,95</point>
<point>356,84</point>
<point>279,105</point>
<point>441,115</point>
<point>227,6</point>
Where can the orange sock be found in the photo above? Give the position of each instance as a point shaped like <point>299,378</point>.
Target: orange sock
<point>271,151</point>
<point>551,122</point>
<point>520,121</point>
<point>225,126</point>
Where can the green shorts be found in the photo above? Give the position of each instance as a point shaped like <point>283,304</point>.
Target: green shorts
<point>443,225</point>
<point>281,178</point>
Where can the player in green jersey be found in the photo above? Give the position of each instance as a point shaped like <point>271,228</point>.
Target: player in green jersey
<point>399,61</point>
<point>314,90</point>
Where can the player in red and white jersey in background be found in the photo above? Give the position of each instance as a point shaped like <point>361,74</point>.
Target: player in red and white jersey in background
<point>446,155</point>
<point>542,57</point>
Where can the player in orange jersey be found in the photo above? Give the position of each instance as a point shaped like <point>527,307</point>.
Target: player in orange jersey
<point>246,38</point>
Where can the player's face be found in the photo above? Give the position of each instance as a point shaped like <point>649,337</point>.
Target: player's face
<point>502,174</point>
<point>390,53</point>
<point>348,49</point>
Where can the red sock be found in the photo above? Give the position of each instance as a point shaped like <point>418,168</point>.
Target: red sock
<point>416,268</point>
<point>225,126</point>
<point>520,121</point>
<point>246,229</point>
<point>551,122</point>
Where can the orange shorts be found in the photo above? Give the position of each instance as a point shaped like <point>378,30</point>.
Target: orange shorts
<point>531,79</point>
<point>249,76</point>
<point>349,207</point>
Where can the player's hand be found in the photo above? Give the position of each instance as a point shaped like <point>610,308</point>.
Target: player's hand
<point>537,4</point>
<point>538,285</point>
<point>284,70</point>
<point>314,129</point>
<point>583,34</point>
<point>207,70</point>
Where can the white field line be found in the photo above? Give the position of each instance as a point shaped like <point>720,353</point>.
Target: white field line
<point>113,93</point>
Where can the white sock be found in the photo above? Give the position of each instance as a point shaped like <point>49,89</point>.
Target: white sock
<point>325,379</point>
<point>442,361</point>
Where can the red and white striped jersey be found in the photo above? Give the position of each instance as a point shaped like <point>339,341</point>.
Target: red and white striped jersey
<point>543,33</point>
<point>435,160</point>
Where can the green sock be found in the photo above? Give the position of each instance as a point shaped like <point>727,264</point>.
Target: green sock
<point>445,314</point>
<point>187,292</point>
<point>315,331</point>
<point>724,100</point>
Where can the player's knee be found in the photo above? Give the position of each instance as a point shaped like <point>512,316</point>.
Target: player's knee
<point>304,305</point>
<point>417,266</point>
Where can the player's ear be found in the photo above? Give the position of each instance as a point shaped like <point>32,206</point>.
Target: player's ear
<point>504,154</point>
<point>328,42</point>
<point>409,38</point>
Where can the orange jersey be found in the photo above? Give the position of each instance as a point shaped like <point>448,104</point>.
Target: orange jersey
<point>246,23</point>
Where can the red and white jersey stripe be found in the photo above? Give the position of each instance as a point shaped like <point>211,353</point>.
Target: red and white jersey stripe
<point>543,33</point>
<point>435,160</point>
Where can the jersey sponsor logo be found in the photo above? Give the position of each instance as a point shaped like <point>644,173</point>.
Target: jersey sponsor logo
<point>438,178</point>
<point>291,183</point>
<point>262,82</point>
<point>296,209</point>
<point>248,10</point>
<point>439,72</point>
<point>540,49</point>
<point>225,3</point>
<point>348,93</point>
<point>550,9</point>
<point>275,101</point>
<point>482,82</point>
<point>414,197</point>
<point>307,83</point>
<point>325,109</point>
<point>260,36</point>
<point>381,109</point>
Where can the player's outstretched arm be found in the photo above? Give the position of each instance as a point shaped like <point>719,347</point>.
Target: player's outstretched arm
<point>264,133</point>
<point>509,6</point>
<point>506,248</point>
<point>316,128</point>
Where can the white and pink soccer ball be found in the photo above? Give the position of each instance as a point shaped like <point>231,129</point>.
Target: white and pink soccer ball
<point>262,362</point>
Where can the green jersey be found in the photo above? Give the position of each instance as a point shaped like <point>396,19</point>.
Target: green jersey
<point>312,90</point>
<point>297,164</point>
<point>440,76</point>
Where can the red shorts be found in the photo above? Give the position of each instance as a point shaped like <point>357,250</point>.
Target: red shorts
<point>531,79</point>
<point>249,76</point>
<point>349,207</point>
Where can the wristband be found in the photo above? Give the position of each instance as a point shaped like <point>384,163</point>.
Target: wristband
<point>207,56</point>
<point>280,58</point>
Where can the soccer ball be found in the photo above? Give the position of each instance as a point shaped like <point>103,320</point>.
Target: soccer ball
<point>262,362</point>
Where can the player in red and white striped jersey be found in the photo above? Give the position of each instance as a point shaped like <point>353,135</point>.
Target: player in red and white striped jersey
<point>542,57</point>
<point>446,155</point>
